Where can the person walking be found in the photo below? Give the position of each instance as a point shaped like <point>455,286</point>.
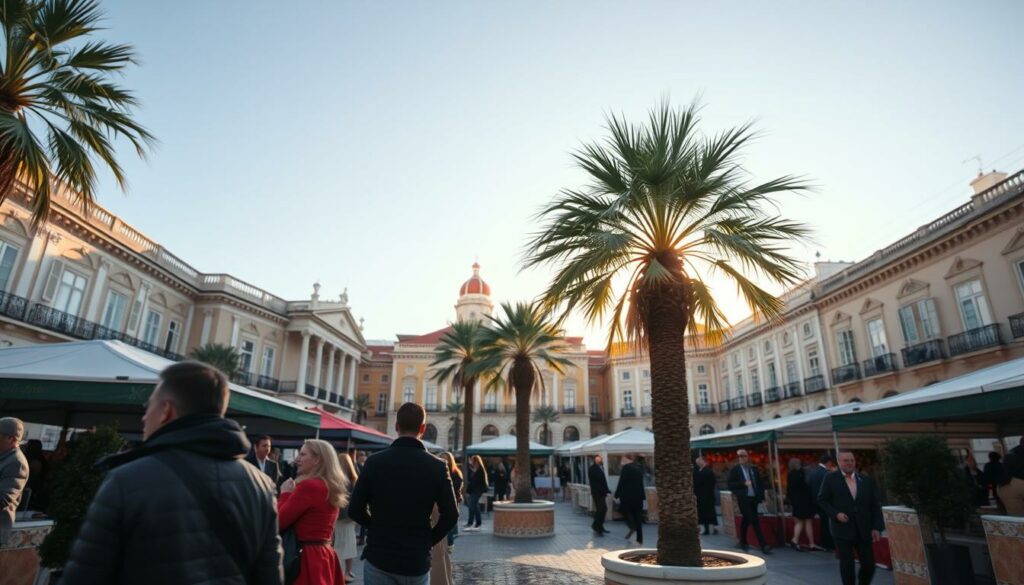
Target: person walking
<point>993,472</point>
<point>631,495</point>
<point>852,503</point>
<point>501,485</point>
<point>345,529</point>
<point>798,492</point>
<point>748,488</point>
<point>14,472</point>
<point>260,457</point>
<point>395,497</point>
<point>704,489</point>
<point>183,507</point>
<point>476,487</point>
<point>599,492</point>
<point>814,479</point>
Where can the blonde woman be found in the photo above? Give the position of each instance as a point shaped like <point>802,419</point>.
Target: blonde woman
<point>310,504</point>
<point>345,528</point>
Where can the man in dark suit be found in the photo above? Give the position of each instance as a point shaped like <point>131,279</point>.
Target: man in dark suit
<point>815,477</point>
<point>853,507</point>
<point>599,491</point>
<point>747,486</point>
<point>260,457</point>
<point>395,496</point>
<point>631,495</point>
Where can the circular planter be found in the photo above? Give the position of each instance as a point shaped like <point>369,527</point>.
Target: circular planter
<point>619,572</point>
<point>533,520</point>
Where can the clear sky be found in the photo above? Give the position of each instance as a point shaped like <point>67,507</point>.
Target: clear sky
<point>383,145</point>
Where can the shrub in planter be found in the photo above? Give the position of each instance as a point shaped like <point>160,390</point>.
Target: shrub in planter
<point>74,486</point>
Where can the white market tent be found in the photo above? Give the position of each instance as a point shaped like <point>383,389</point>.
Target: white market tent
<point>577,448</point>
<point>627,441</point>
<point>86,383</point>
<point>506,445</point>
<point>564,448</point>
<point>808,425</point>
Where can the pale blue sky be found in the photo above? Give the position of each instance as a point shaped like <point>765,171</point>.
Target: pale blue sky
<point>383,145</point>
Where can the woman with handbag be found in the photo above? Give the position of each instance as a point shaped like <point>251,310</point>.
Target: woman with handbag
<point>309,505</point>
<point>345,528</point>
<point>476,486</point>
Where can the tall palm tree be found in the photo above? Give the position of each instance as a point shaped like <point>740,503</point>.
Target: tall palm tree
<point>514,348</point>
<point>455,410</point>
<point>455,353</point>
<point>546,415</point>
<point>361,406</point>
<point>222,357</point>
<point>60,105</point>
<point>666,207</point>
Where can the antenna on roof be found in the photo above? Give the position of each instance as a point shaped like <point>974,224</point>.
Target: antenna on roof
<point>975,157</point>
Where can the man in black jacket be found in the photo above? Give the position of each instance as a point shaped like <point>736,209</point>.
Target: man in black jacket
<point>747,486</point>
<point>394,497</point>
<point>852,504</point>
<point>260,457</point>
<point>815,477</point>
<point>599,491</point>
<point>631,495</point>
<point>183,508</point>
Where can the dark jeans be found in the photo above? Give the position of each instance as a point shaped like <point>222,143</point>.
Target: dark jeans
<point>748,508</point>
<point>600,513</point>
<point>865,553</point>
<point>474,510</point>
<point>633,514</point>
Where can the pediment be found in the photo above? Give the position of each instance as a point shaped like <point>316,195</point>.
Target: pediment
<point>16,225</point>
<point>961,265</point>
<point>912,286</point>
<point>840,317</point>
<point>125,279</point>
<point>1016,242</point>
<point>158,298</point>
<point>181,309</point>
<point>870,305</point>
<point>252,328</point>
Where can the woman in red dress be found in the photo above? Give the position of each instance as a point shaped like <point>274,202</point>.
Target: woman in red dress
<point>310,504</point>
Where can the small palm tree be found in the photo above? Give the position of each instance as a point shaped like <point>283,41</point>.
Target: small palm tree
<point>455,353</point>
<point>514,347</point>
<point>665,208</point>
<point>222,357</point>
<point>455,409</point>
<point>361,406</point>
<point>56,80</point>
<point>546,415</point>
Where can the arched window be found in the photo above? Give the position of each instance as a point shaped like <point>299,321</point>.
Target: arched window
<point>777,416</point>
<point>728,427</point>
<point>512,431</point>
<point>890,393</point>
<point>489,432</point>
<point>570,434</point>
<point>760,420</point>
<point>542,437</point>
<point>430,433</point>
<point>743,423</point>
<point>854,400</point>
<point>798,412</point>
<point>822,407</point>
<point>707,429</point>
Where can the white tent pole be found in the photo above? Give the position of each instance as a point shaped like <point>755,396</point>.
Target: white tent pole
<point>835,442</point>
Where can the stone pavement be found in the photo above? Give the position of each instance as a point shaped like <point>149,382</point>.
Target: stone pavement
<point>573,555</point>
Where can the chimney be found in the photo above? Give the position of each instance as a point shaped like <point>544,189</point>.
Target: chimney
<point>986,181</point>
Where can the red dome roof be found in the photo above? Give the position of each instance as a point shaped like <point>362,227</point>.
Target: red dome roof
<point>475,285</point>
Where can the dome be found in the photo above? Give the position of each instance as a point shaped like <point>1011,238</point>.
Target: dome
<point>475,285</point>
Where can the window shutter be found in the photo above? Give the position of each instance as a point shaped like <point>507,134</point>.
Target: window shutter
<point>53,280</point>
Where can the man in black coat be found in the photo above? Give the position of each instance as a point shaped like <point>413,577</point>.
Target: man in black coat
<point>747,486</point>
<point>260,457</point>
<point>855,511</point>
<point>631,495</point>
<point>395,496</point>
<point>704,489</point>
<point>183,508</point>
<point>599,491</point>
<point>815,477</point>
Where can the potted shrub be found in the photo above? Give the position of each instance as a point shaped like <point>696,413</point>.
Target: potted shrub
<point>922,473</point>
<point>665,207</point>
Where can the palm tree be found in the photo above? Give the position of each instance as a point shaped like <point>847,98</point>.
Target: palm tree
<point>665,208</point>
<point>361,406</point>
<point>54,79</point>
<point>222,357</point>
<point>546,415</point>
<point>455,353</point>
<point>455,410</point>
<point>514,347</point>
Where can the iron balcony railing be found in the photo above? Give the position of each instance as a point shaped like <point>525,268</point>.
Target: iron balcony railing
<point>975,340</point>
<point>1017,325</point>
<point>243,378</point>
<point>793,390</point>
<point>645,411</point>
<point>738,403</point>
<point>432,407</point>
<point>723,407</point>
<point>754,399</point>
<point>705,409</point>
<point>879,365</point>
<point>321,394</point>
<point>346,402</point>
<point>492,408</point>
<point>773,394</point>
<point>13,306</point>
<point>310,390</point>
<point>627,412</point>
<point>268,383</point>
<point>333,398</point>
<point>595,415</point>
<point>814,384</point>
<point>844,374</point>
<point>920,353</point>
<point>572,410</point>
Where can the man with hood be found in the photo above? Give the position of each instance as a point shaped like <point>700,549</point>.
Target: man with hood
<point>184,507</point>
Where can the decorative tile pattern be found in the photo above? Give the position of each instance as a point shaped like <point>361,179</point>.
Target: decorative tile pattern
<point>728,514</point>
<point>906,545</point>
<point>524,523</point>
<point>652,505</point>
<point>27,537</point>
<point>502,572</point>
<point>1004,528</point>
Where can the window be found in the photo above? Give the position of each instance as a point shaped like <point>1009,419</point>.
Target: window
<point>755,381</point>
<point>735,359</point>
<point>647,397</point>
<point>739,385</point>
<point>785,338</point>
<point>366,378</point>
<point>152,329</point>
<point>808,332</point>
<point>384,378</point>
<point>773,377</point>
<point>246,351</point>
<point>919,321</point>
<point>625,374</point>
<point>700,369</point>
<point>408,392</point>
<point>70,293</point>
<point>791,373</point>
<point>8,254</point>
<point>973,306</point>
<point>113,314</point>
<point>876,336</point>
<point>173,335</point>
<point>382,402</point>
<point>570,396</point>
<point>1020,271</point>
<point>627,399</point>
<point>812,362</point>
<point>751,353</point>
<point>491,399</point>
<point>707,430</point>
<point>725,386</point>
<point>702,393</point>
<point>431,395</point>
<point>267,367</point>
<point>768,348</point>
<point>593,405</point>
<point>844,341</point>
<point>645,374</point>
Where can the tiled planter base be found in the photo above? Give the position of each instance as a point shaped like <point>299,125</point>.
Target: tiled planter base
<point>1005,536</point>
<point>620,572</point>
<point>906,544</point>
<point>534,520</point>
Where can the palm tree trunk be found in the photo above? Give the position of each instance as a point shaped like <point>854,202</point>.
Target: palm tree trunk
<point>522,381</point>
<point>665,320</point>
<point>467,420</point>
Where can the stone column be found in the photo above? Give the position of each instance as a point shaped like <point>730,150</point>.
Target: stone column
<point>236,326</point>
<point>32,259</point>
<point>303,362</point>
<point>329,384</point>
<point>352,377</point>
<point>339,381</point>
<point>96,291</point>
<point>207,325</point>
<point>319,362</point>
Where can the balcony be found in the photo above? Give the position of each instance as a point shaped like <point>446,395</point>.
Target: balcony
<point>793,390</point>
<point>334,398</point>
<point>974,340</point>
<point>268,383</point>
<point>310,390</point>
<point>847,373</point>
<point>705,409</point>
<point>572,410</point>
<point>879,365</point>
<point>321,394</point>
<point>489,408</point>
<point>645,411</point>
<point>243,378</point>
<point>773,394</point>
<point>627,412</point>
<point>920,353</point>
<point>595,415</point>
<point>1017,325</point>
<point>814,384</point>
<point>432,407</point>
<point>723,407</point>
<point>738,403</point>
<point>345,402</point>
<point>754,399</point>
